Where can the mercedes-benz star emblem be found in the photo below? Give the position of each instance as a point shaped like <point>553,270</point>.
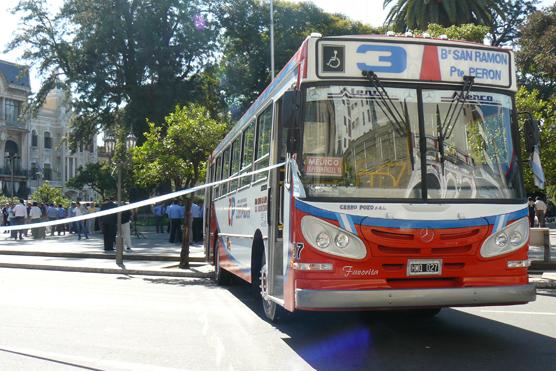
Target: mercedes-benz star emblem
<point>426,235</point>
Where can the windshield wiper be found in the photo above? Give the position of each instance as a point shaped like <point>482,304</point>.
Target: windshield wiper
<point>400,121</point>
<point>446,127</point>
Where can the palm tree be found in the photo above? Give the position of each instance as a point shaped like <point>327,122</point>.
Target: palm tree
<point>418,14</point>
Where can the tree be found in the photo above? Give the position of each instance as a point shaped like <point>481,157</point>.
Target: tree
<point>177,150</point>
<point>144,56</point>
<point>418,14</point>
<point>246,42</point>
<point>48,194</point>
<point>505,26</point>
<point>97,176</point>
<point>536,57</point>
<point>468,32</point>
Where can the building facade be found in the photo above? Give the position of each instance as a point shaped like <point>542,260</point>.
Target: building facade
<point>14,131</point>
<point>35,149</point>
<point>49,156</point>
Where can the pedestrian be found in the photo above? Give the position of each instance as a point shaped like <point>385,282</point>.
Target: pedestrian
<point>109,225</point>
<point>91,222</point>
<point>52,215</point>
<point>540,210</point>
<point>126,230</point>
<point>62,214</point>
<point>81,225</point>
<point>72,227</point>
<point>20,214</point>
<point>35,215</point>
<point>5,214</point>
<point>175,215</point>
<point>158,212</point>
<point>531,207</point>
<point>197,215</point>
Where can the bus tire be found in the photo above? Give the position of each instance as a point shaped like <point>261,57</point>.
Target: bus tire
<point>221,276</point>
<point>272,311</point>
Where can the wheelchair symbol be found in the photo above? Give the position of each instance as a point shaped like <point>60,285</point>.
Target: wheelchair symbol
<point>334,61</point>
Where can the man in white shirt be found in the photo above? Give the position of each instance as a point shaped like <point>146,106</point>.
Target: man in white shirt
<point>35,216</point>
<point>540,211</point>
<point>20,213</point>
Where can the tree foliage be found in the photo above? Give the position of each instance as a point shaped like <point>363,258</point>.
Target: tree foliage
<point>468,32</point>
<point>536,56</point>
<point>505,25</point>
<point>246,42</point>
<point>543,110</point>
<point>418,14</point>
<point>146,56</point>
<point>48,194</point>
<point>97,176</point>
<point>177,149</point>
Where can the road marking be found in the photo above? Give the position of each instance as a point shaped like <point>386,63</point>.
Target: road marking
<point>519,312</point>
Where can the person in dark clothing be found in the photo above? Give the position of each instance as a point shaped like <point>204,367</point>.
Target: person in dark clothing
<point>109,225</point>
<point>531,207</point>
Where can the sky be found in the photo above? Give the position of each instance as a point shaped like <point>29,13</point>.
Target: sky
<point>366,11</point>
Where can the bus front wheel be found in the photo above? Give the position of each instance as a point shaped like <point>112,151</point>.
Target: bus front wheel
<point>272,311</point>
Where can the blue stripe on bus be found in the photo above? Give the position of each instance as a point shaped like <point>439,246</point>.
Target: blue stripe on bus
<point>408,224</point>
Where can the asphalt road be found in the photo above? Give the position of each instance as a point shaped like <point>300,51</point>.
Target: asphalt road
<point>82,321</point>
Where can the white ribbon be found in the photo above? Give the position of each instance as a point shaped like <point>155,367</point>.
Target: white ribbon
<point>134,205</point>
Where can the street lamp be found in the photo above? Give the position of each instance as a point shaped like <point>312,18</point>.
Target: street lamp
<point>110,146</point>
<point>11,157</point>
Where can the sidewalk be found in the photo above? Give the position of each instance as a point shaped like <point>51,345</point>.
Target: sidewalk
<point>151,255</point>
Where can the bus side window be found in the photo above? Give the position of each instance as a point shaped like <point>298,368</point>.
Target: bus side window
<point>262,147</point>
<point>236,154</point>
<point>217,176</point>
<point>225,171</point>
<point>247,158</point>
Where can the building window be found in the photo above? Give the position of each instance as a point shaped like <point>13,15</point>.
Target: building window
<point>34,139</point>
<point>47,172</point>
<point>47,140</point>
<point>34,170</point>
<point>13,109</point>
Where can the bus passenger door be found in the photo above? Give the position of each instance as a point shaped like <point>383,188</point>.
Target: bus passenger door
<point>275,212</point>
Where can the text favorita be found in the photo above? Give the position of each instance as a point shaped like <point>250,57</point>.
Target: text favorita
<point>349,271</point>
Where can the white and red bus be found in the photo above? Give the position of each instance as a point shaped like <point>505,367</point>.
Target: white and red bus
<point>401,186</point>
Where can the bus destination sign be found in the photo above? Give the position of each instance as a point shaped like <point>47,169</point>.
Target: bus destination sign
<point>414,61</point>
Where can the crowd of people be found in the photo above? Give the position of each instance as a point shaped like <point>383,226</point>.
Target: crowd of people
<point>36,212</point>
<point>174,212</point>
<point>32,212</point>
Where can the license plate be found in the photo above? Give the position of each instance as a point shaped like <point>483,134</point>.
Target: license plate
<point>424,267</point>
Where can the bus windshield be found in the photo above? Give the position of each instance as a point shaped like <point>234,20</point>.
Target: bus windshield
<point>360,143</point>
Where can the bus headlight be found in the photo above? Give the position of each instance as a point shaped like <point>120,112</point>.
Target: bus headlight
<point>341,240</point>
<point>509,239</point>
<point>320,235</point>
<point>322,240</point>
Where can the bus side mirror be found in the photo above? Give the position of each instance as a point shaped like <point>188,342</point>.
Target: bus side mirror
<point>290,109</point>
<point>532,134</point>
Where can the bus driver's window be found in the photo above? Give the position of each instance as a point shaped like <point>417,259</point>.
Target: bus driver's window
<point>318,131</point>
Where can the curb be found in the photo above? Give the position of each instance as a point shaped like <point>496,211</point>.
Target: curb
<point>541,283</point>
<point>142,272</point>
<point>111,255</point>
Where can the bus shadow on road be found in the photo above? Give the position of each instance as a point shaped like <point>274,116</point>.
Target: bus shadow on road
<point>383,340</point>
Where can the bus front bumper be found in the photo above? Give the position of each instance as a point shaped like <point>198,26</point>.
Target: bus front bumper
<point>413,298</point>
